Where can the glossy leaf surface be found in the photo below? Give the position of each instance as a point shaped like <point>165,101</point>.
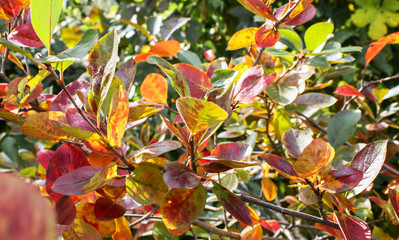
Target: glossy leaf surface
<point>242,39</point>
<point>101,178</point>
<point>317,34</point>
<point>235,151</point>
<point>315,100</point>
<point>25,36</point>
<point>295,141</point>
<point>178,175</point>
<point>259,8</point>
<point>156,149</point>
<point>197,80</point>
<point>347,90</point>
<point>267,35</point>
<point>117,117</point>
<point>352,227</point>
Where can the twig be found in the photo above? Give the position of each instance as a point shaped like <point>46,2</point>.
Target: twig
<point>319,195</point>
<point>144,217</point>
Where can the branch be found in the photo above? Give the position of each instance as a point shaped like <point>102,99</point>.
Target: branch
<point>144,217</point>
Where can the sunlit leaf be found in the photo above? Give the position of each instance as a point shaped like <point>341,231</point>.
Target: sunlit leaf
<point>341,180</point>
<point>101,178</point>
<point>156,149</point>
<point>315,156</point>
<point>347,90</point>
<point>61,103</point>
<point>267,35</point>
<point>178,175</point>
<point>181,206</point>
<point>171,25</point>
<point>168,48</point>
<point>280,164</point>
<point>242,38</point>
<point>269,189</point>
<point>235,151</point>
<point>196,79</point>
<point>271,225</point>
<point>25,36</point>
<point>252,233</point>
<point>394,198</point>
<point>377,46</point>
<point>352,227</point>
<point>315,100</point>
<point>154,88</point>
<point>81,230</point>
<point>295,141</point>
<point>259,8</point>
<point>281,122</point>
<point>317,34</point>
<point>117,117</point>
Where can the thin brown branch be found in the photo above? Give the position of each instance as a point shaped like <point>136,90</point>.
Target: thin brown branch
<point>144,217</point>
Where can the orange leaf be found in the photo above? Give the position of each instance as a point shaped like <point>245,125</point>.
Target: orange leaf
<point>168,48</point>
<point>118,115</point>
<point>12,58</point>
<point>377,46</point>
<point>242,38</point>
<point>347,90</point>
<point>269,189</point>
<point>250,233</point>
<point>267,35</point>
<point>143,56</point>
<point>154,88</point>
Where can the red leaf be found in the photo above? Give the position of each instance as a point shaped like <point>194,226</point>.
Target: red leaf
<point>347,90</point>
<point>233,204</point>
<point>65,159</point>
<point>61,103</point>
<point>209,55</point>
<point>8,10</point>
<point>106,209</point>
<point>271,225</point>
<point>377,46</point>
<point>216,65</point>
<point>300,18</point>
<point>344,179</point>
<point>178,175</point>
<point>222,165</point>
<point>25,36</point>
<point>252,82</point>
<point>267,35</point>
<point>44,157</point>
<point>65,211</point>
<point>258,7</point>
<point>280,164</point>
<point>394,198</point>
<point>196,79</point>
<point>352,227</point>
<point>127,72</point>
<point>234,151</point>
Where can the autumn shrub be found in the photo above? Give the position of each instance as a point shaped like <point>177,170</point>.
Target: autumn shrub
<point>239,119</point>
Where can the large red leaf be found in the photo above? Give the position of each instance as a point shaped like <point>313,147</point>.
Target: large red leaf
<point>65,211</point>
<point>44,157</point>
<point>251,83</point>
<point>232,151</point>
<point>25,36</point>
<point>377,46</point>
<point>25,214</point>
<point>352,227</point>
<point>178,175</point>
<point>344,179</point>
<point>267,35</point>
<point>233,204</point>
<point>280,164</point>
<point>61,103</point>
<point>65,159</point>
<point>394,198</point>
<point>154,88</point>
<point>182,206</point>
<point>197,80</point>
<point>106,209</point>
<point>295,140</point>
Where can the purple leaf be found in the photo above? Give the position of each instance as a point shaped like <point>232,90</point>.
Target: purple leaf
<point>156,149</point>
<point>177,175</point>
<point>280,164</point>
<point>105,209</point>
<point>127,72</point>
<point>295,141</point>
<point>235,151</point>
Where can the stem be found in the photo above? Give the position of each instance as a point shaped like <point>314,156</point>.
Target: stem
<point>144,217</point>
<point>319,195</point>
<point>192,154</point>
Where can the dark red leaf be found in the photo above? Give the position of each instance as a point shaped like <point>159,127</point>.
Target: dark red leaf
<point>235,151</point>
<point>65,159</point>
<point>44,157</point>
<point>271,225</point>
<point>394,198</point>
<point>267,35</point>
<point>196,79</point>
<point>25,36</point>
<point>105,209</point>
<point>252,82</point>
<point>233,204</point>
<point>61,103</point>
<point>75,119</point>
<point>352,227</point>
<point>65,211</point>
<point>178,175</point>
<point>344,179</point>
<point>280,164</point>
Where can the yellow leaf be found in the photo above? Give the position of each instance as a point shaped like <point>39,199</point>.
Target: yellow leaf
<point>242,38</point>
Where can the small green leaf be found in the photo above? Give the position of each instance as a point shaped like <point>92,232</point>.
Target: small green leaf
<point>189,58</point>
<point>342,126</point>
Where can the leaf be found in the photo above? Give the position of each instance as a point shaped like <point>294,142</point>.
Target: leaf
<point>142,112</point>
<point>154,88</point>
<point>178,175</point>
<point>296,19</point>
<point>282,92</point>
<point>317,34</point>
<point>122,230</point>
<point>177,80</point>
<point>168,48</point>
<point>8,9</point>
<point>45,15</point>
<point>72,183</point>
<point>197,80</point>
<point>4,114</point>
<point>233,204</point>
<point>250,233</point>
<point>160,232</point>
<point>252,83</point>
<point>12,58</point>
<point>377,46</point>
<point>15,48</point>
<point>209,55</point>
<point>62,103</point>
<point>394,198</point>
<point>352,227</point>
<point>344,179</point>
<point>315,156</point>
<point>76,53</point>
<point>295,140</point>
<point>126,73</point>
<point>222,165</point>
<point>242,39</point>
<point>280,164</point>
<point>106,209</point>
<point>269,189</point>
<point>339,133</point>
<point>65,211</point>
<point>347,90</point>
<point>189,57</point>
<point>40,125</point>
<point>182,206</point>
<point>171,25</point>
<point>146,185</point>
<point>369,161</point>
<point>259,8</point>
<point>200,115</point>
<point>281,122</point>
<point>156,149</point>
<point>271,225</point>
<point>117,117</point>
<point>24,36</point>
<point>101,178</point>
<point>267,35</point>
<point>65,159</point>
<point>16,199</point>
<point>81,230</point>
<point>315,100</point>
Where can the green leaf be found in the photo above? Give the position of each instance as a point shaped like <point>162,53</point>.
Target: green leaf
<point>177,80</point>
<point>278,52</point>
<point>342,126</point>
<point>281,122</point>
<point>315,100</point>
<point>15,48</point>
<point>317,34</point>
<point>200,115</point>
<point>76,53</point>
<point>45,15</point>
<point>189,58</point>
<point>282,93</point>
<point>341,50</point>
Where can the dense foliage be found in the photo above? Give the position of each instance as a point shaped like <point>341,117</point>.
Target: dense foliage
<point>243,119</point>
